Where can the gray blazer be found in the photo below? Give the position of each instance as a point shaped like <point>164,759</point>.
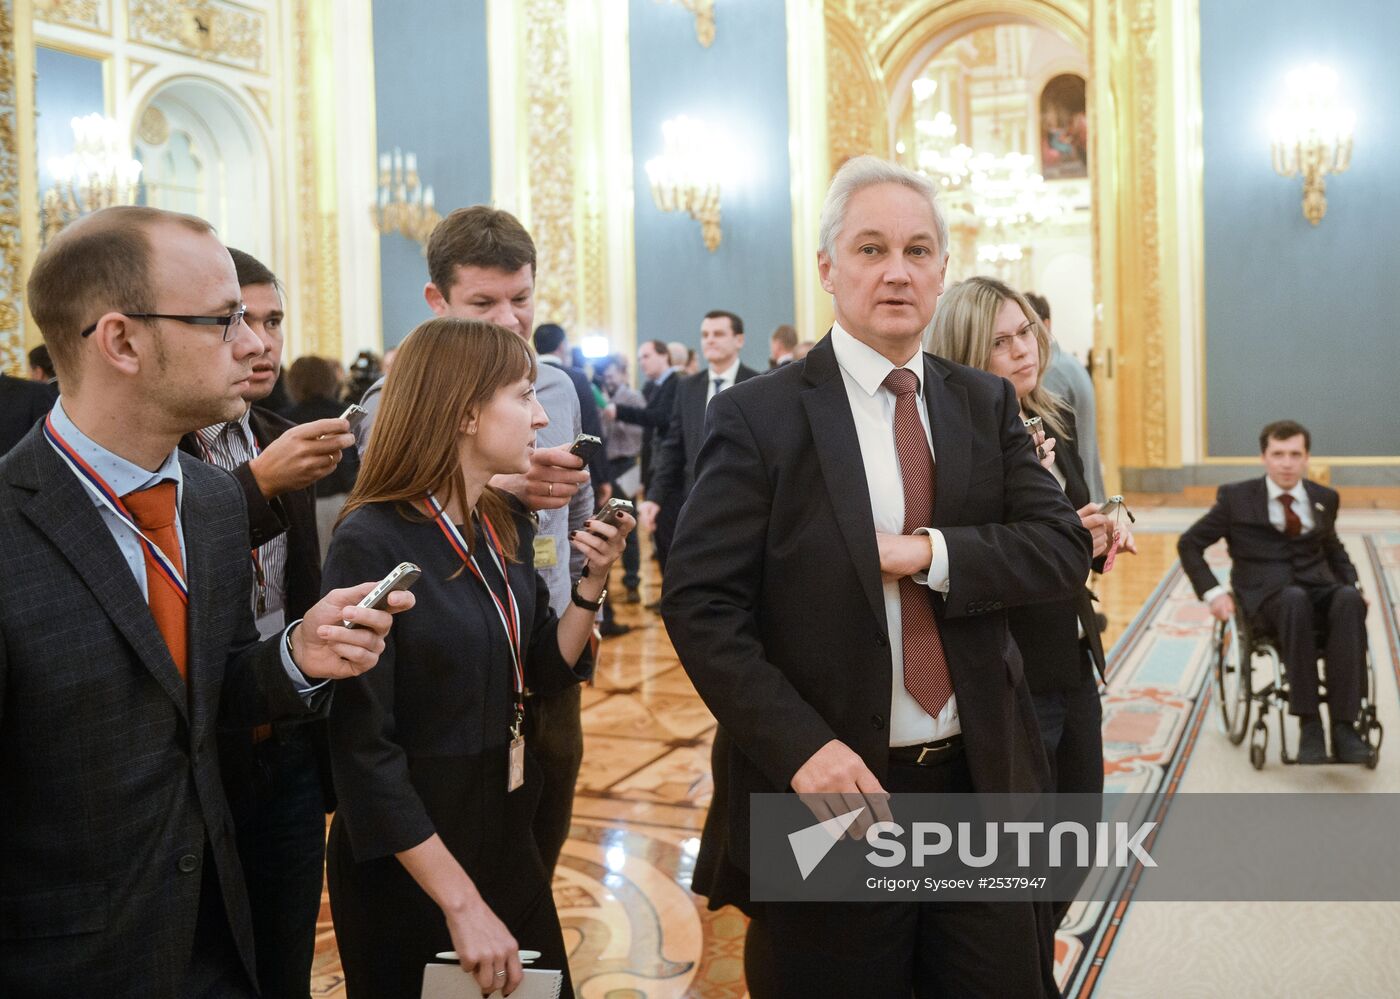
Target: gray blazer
<point>109,781</point>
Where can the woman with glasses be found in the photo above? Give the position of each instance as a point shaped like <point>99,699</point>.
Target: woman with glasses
<point>984,324</point>
<point>431,849</point>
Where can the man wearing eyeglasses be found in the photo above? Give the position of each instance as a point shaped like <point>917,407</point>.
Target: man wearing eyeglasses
<point>277,777</point>
<point>126,635</point>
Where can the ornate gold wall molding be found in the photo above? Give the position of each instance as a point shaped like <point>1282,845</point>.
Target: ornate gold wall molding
<point>855,91</point>
<point>11,266</point>
<point>550,144</point>
<point>206,29</point>
<point>90,15</point>
<point>318,241</point>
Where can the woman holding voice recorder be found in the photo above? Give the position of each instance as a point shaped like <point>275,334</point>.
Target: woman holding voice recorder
<point>431,848</point>
<point>983,323</point>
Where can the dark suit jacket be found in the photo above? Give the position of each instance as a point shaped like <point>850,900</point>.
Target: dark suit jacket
<point>295,514</point>
<point>654,419</point>
<point>291,513</point>
<point>109,781</point>
<point>774,601</point>
<point>1048,633</point>
<point>674,471</point>
<point>1265,560</point>
<point>22,404</point>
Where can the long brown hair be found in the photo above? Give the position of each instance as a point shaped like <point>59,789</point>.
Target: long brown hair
<point>964,326</point>
<point>446,371</point>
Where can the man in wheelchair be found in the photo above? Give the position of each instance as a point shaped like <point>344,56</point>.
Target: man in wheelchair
<point>1294,581</point>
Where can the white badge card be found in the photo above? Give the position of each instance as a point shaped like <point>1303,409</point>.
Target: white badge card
<point>517,763</point>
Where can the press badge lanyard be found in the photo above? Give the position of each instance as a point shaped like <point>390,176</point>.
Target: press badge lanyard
<point>258,576</point>
<point>108,497</point>
<point>509,613</point>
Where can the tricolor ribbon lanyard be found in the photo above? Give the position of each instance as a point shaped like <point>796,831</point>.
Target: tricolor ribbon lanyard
<point>108,497</point>
<point>259,577</point>
<point>509,613</point>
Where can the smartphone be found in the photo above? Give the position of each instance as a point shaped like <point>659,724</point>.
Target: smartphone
<point>586,446</point>
<point>614,508</point>
<point>354,415</point>
<point>1113,504</point>
<point>405,574</point>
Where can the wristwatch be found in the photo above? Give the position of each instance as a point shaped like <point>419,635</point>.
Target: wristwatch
<point>588,605</point>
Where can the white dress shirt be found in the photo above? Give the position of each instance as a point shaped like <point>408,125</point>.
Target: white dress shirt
<point>1302,506</point>
<point>864,370</point>
<point>726,377</point>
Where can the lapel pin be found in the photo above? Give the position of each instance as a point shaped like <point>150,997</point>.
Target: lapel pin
<point>1319,506</point>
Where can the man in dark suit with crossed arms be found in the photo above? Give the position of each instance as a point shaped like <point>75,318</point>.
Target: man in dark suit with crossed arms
<point>1292,574</point>
<point>841,607</point>
<point>126,635</point>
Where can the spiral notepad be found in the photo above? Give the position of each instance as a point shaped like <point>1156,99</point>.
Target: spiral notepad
<point>449,981</point>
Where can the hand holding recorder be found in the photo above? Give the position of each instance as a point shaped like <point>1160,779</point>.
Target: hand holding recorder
<point>305,454</point>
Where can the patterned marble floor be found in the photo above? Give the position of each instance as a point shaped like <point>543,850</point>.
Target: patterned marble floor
<point>633,928</point>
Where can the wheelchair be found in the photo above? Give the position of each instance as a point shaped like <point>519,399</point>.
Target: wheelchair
<point>1241,652</point>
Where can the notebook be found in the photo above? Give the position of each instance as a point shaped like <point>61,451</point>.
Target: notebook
<point>449,981</point>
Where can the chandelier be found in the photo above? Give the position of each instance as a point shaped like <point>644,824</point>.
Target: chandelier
<point>403,205</point>
<point>1312,135</point>
<point>686,176</point>
<point>98,173</point>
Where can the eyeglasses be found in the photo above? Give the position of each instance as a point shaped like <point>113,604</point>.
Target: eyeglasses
<point>229,322</point>
<point>1002,343</point>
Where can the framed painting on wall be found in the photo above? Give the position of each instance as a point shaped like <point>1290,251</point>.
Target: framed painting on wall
<point>1064,129</point>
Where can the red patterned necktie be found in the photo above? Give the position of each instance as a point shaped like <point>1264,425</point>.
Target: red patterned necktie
<point>1292,523</point>
<point>925,666</point>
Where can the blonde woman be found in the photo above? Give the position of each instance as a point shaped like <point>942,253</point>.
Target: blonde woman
<point>431,848</point>
<point>983,323</point>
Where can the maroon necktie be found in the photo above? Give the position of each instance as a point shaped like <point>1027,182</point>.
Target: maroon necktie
<point>925,667</point>
<point>1292,525</point>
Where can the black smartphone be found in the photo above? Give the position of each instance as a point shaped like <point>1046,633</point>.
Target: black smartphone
<point>405,574</point>
<point>586,446</point>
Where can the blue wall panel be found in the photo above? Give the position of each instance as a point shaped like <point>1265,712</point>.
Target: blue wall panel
<point>66,86</point>
<point>738,84</point>
<point>430,88</point>
<point>1300,321</point>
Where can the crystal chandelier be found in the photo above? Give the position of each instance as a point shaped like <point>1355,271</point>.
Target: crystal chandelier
<point>686,176</point>
<point>98,173</point>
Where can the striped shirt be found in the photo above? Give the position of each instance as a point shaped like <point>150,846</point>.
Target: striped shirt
<point>229,445</point>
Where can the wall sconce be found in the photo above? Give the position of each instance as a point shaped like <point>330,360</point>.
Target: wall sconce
<point>404,205</point>
<point>1312,135</point>
<point>98,173</point>
<point>704,11</point>
<point>686,176</point>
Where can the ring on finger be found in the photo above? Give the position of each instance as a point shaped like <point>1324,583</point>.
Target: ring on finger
<point>551,489</point>
<point>500,974</point>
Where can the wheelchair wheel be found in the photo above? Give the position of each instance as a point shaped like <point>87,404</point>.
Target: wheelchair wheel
<point>1232,679</point>
<point>1258,742</point>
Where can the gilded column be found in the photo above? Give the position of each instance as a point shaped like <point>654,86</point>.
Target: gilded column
<point>18,184</point>
<point>318,240</point>
<point>550,139</point>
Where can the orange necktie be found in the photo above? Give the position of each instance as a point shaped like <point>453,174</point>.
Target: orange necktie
<point>154,512</point>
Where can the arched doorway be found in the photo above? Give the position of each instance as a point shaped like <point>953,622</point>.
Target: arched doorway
<point>202,152</point>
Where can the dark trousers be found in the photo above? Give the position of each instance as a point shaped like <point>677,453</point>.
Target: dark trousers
<point>1071,729</point>
<point>279,813</point>
<point>216,970</point>
<point>554,734</point>
<point>1295,614</point>
<point>665,530</point>
<point>892,950</point>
